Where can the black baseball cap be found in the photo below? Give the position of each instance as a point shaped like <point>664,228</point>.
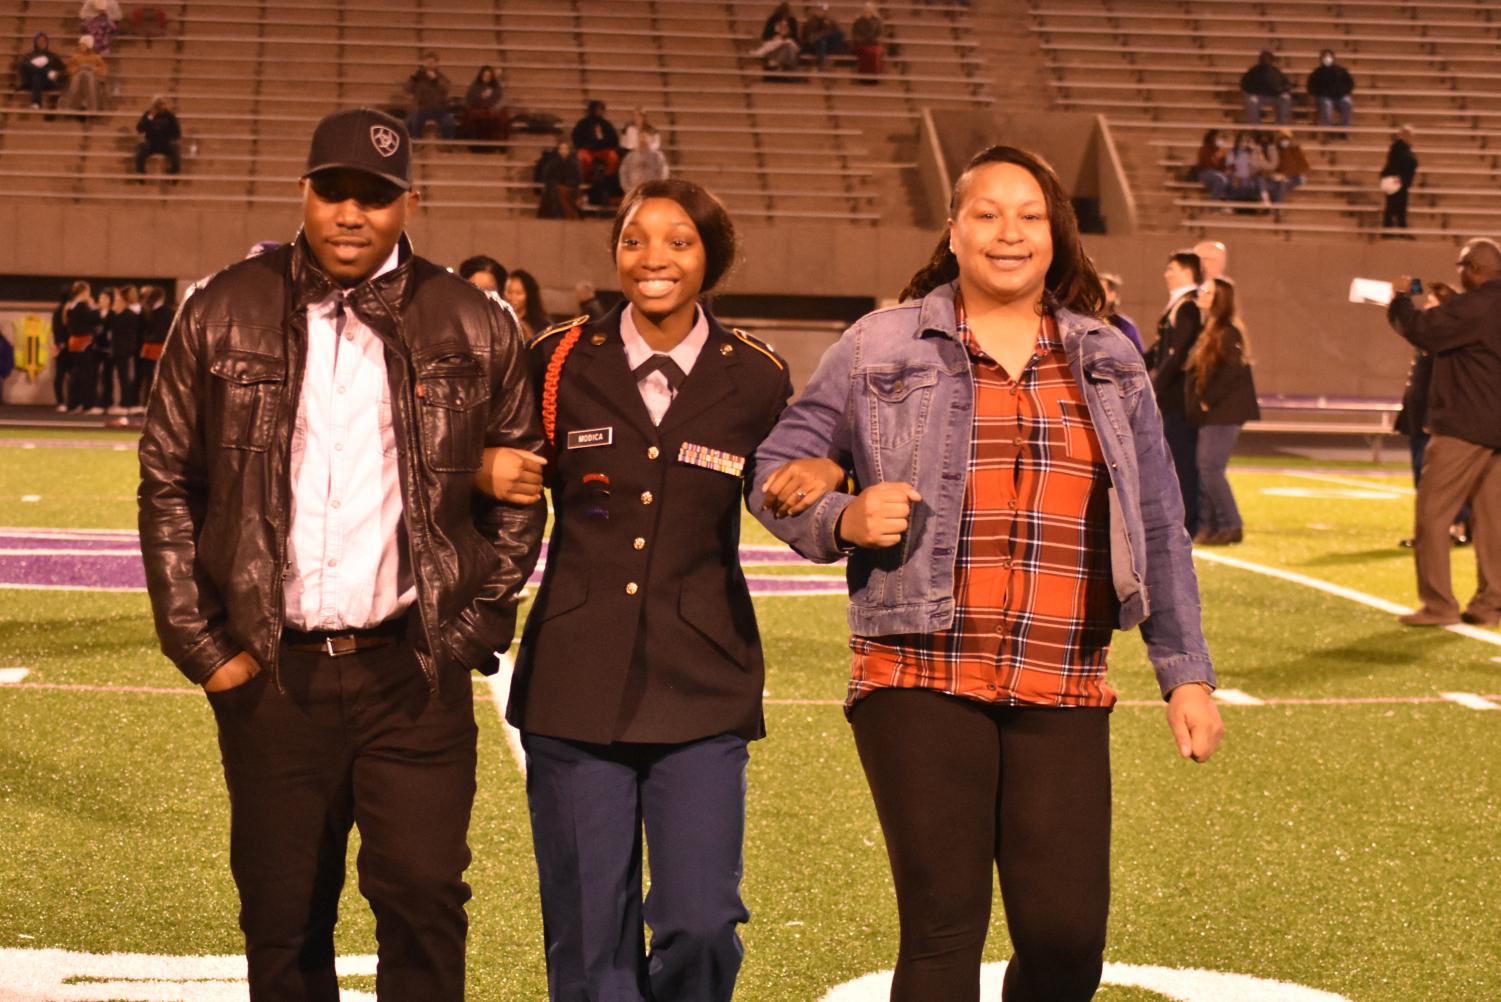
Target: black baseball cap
<point>363,139</point>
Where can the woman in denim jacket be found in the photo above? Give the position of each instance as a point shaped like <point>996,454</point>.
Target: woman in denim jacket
<point>1019,507</point>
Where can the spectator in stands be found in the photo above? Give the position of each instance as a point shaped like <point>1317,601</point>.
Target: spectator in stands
<point>1247,164</point>
<point>1330,85</point>
<point>485,116</point>
<point>525,297</point>
<point>822,37</point>
<point>1264,83</point>
<point>156,320</point>
<point>558,175</point>
<point>588,299</point>
<point>1112,312</point>
<point>870,53</point>
<point>40,70</point>
<point>783,17</point>
<point>99,19</point>
<point>596,141</point>
<point>1291,167</point>
<point>1210,165</point>
<point>1177,331</point>
<point>1214,258</point>
<point>429,88</point>
<point>1462,461</point>
<point>1220,398</point>
<point>645,162</point>
<point>779,53</point>
<point>484,273</point>
<point>630,136</point>
<point>161,135</point>
<point>1397,175</point>
<point>87,72</point>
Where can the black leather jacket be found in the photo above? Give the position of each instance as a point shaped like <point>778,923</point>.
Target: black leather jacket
<point>215,495</point>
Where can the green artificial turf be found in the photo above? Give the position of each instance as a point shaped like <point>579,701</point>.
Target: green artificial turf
<point>1349,846</point>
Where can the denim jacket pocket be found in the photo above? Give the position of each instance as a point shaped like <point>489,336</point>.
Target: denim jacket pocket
<point>898,400</point>
<point>451,398</point>
<point>249,382</point>
<point>1080,435</point>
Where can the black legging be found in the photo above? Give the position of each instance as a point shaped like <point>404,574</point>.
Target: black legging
<point>963,789</point>
<point>1394,213</point>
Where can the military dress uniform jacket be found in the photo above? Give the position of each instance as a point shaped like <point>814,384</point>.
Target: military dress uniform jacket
<point>643,629</point>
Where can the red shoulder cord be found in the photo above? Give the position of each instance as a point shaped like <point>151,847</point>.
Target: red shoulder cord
<point>550,382</point>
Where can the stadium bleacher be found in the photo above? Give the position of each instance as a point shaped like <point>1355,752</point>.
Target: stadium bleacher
<point>249,79</point>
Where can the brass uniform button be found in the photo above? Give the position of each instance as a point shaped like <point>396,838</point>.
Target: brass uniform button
<point>632,588</point>
<point>653,452</point>
<point>639,543</point>
<point>596,339</point>
<point>727,349</point>
<point>646,497</point>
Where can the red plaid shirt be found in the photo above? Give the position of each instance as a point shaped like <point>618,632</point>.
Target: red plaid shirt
<point>1035,606</point>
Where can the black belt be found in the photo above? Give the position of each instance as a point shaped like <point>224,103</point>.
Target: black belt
<point>338,643</point>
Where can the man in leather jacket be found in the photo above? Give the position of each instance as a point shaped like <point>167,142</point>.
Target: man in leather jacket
<point>318,561</point>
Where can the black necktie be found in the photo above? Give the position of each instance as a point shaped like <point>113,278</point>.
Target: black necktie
<point>339,317</point>
<point>670,369</point>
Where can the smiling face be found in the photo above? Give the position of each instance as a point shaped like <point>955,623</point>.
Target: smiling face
<point>661,259</point>
<point>352,221</point>
<point>1001,234</point>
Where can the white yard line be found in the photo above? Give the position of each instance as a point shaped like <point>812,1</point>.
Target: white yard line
<point>1356,482</point>
<point>500,692</point>
<point>12,676</point>
<point>1340,591</point>
<point>1470,701</point>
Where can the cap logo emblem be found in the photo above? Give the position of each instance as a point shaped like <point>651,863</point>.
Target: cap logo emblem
<point>385,140</point>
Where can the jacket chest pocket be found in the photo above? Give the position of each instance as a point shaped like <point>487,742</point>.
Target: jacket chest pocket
<point>1080,440</point>
<point>248,384</point>
<point>451,399</point>
<point>897,403</point>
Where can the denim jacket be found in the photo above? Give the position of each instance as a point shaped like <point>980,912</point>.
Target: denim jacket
<point>893,400</point>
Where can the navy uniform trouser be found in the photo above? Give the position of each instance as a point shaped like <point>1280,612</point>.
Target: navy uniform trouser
<point>354,740</point>
<point>589,804</point>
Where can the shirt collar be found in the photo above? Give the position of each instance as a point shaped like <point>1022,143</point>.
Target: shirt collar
<point>1180,292</point>
<point>1048,338</point>
<point>686,352</point>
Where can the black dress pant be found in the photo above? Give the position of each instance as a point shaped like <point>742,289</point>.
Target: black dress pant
<point>355,740</point>
<point>1394,213</point>
<point>125,375</point>
<point>1183,445</point>
<point>964,790</point>
<point>83,379</point>
<point>62,363</point>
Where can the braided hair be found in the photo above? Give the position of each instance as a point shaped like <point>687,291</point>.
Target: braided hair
<point>1071,281</point>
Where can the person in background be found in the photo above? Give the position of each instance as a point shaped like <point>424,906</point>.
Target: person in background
<point>1209,168</point>
<point>161,135</point>
<point>1290,169</point>
<point>87,72</point>
<point>1247,165</point>
<point>1219,398</point>
<point>1265,84</point>
<point>644,163</point>
<point>156,321</point>
<point>7,362</point>
<point>870,53</point>
<point>1177,330</point>
<point>104,387</point>
<point>780,53</point>
<point>1214,258</point>
<point>1330,85</point>
<point>40,70</point>
<point>125,324</point>
<point>588,300</point>
<point>1037,515</point>
<point>1412,421</point>
<point>484,273</point>
<point>1462,460</point>
<point>99,19</point>
<point>596,141</point>
<point>782,15</point>
<point>558,178</point>
<point>485,117</point>
<point>429,88</point>
<point>60,357</point>
<point>525,296</point>
<point>82,320</point>
<point>1112,311</point>
<point>1397,175</point>
<point>822,37</point>
<point>630,136</point>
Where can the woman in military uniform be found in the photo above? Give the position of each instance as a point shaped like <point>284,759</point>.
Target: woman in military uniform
<point>639,677</point>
